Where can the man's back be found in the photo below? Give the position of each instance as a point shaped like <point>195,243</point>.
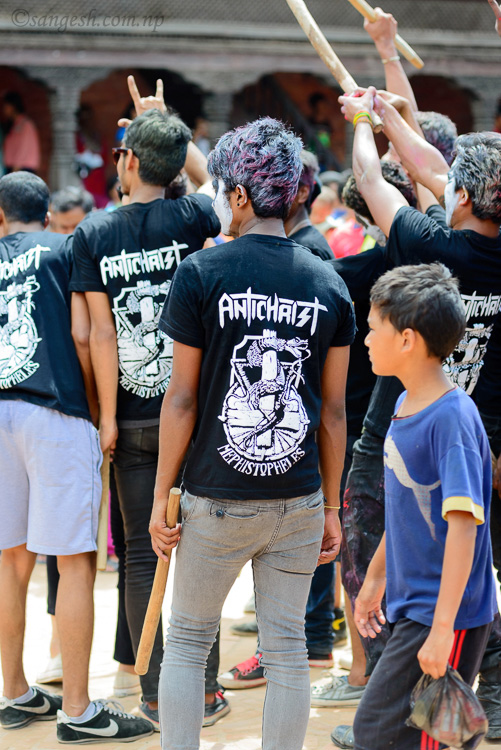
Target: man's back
<point>38,362</point>
<point>475,260</point>
<point>131,255</point>
<point>265,313</point>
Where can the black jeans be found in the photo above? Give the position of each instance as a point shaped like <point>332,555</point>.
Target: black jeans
<point>135,464</point>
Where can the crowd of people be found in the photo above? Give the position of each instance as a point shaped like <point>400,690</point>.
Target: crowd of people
<point>315,360</point>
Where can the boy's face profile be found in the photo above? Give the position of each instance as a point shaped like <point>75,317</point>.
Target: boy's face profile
<point>384,343</point>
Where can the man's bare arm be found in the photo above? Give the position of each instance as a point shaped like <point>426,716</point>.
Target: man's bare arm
<point>177,422</point>
<point>80,332</point>
<point>383,199</point>
<point>424,162</point>
<point>383,32</point>
<point>104,357</point>
<point>331,440</point>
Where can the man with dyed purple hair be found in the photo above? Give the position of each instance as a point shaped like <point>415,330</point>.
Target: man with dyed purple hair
<point>261,333</point>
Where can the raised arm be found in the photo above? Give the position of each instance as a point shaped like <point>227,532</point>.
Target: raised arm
<point>196,161</point>
<point>424,163</point>
<point>383,199</point>
<point>104,357</point>
<point>383,32</point>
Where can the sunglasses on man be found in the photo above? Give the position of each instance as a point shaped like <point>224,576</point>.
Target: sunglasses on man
<point>115,152</point>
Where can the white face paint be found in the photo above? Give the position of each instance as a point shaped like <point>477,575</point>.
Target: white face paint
<point>222,208</point>
<point>451,199</point>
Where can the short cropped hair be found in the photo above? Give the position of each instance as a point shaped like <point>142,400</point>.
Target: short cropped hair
<point>72,197</point>
<point>309,176</point>
<point>160,142</point>
<point>477,168</point>
<point>15,100</point>
<point>265,158</point>
<point>425,298</point>
<point>440,131</point>
<point>24,197</point>
<point>393,173</point>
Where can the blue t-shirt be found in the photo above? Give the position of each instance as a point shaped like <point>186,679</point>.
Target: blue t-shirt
<point>436,461</point>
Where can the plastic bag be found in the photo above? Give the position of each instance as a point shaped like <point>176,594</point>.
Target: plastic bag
<point>448,710</point>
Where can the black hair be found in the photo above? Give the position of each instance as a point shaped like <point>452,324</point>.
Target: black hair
<point>24,197</point>
<point>15,100</point>
<point>160,142</point>
<point>425,298</point>
<point>72,197</point>
<point>393,173</point>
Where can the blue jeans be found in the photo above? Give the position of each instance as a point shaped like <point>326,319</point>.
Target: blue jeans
<point>282,538</point>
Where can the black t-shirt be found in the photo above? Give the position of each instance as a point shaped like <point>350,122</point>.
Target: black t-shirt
<point>38,361</point>
<point>474,259</point>
<point>312,239</point>
<point>487,394</point>
<point>359,272</point>
<point>265,313</point>
<point>131,255</point>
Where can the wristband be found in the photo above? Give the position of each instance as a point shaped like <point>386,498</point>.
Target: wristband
<point>360,116</point>
<point>395,58</point>
<point>333,507</point>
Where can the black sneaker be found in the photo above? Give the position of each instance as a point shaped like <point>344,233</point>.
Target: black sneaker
<point>215,711</point>
<point>42,707</point>
<point>248,674</point>
<point>109,724</point>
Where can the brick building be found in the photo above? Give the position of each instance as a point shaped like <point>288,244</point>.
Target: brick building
<point>231,62</point>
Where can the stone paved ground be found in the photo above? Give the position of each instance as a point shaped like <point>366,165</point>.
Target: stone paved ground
<point>240,730</point>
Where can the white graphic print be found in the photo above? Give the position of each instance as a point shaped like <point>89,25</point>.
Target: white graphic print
<point>144,352</point>
<point>251,306</point>
<point>422,492</point>
<point>127,265</point>
<point>18,334</point>
<point>263,414</point>
<point>464,364</point>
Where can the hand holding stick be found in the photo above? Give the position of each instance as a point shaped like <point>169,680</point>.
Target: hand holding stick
<point>326,53</point>
<point>154,610</point>
<point>370,14</point>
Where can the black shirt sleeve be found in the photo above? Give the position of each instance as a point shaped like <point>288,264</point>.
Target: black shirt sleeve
<point>85,276</point>
<point>181,315</point>
<point>417,238</point>
<point>359,272</point>
<point>199,210</point>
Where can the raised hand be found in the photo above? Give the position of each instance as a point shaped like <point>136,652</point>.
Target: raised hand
<point>143,103</point>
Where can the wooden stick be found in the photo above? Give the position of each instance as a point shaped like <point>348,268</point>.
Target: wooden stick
<point>496,8</point>
<point>154,610</point>
<point>326,53</point>
<point>369,13</point>
<point>102,525</point>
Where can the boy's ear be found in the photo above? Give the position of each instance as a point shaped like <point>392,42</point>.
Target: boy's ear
<point>409,339</point>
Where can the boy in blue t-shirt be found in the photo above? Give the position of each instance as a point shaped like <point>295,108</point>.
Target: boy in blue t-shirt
<point>435,560</point>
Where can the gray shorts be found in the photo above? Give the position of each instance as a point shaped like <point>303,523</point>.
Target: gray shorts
<point>49,478</point>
